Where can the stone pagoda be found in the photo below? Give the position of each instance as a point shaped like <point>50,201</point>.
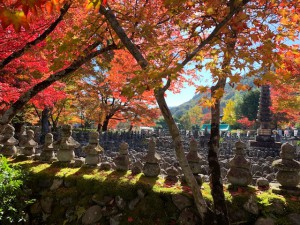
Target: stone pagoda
<point>264,137</point>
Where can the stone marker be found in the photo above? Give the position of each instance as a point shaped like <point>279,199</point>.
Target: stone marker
<point>8,141</point>
<point>47,154</point>
<point>29,145</point>
<point>122,160</point>
<point>151,167</point>
<point>92,150</point>
<point>66,145</point>
<point>288,168</point>
<point>239,172</point>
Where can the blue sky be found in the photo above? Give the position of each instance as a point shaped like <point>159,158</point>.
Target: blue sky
<point>176,99</point>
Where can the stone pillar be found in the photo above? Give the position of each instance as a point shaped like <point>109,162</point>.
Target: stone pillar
<point>92,150</point>
<point>47,154</point>
<point>288,168</point>
<point>239,172</point>
<point>66,145</point>
<point>122,160</point>
<point>29,145</point>
<point>194,160</point>
<point>151,167</point>
<point>8,142</point>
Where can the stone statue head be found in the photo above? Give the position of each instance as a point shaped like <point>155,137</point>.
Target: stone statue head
<point>48,138</point>
<point>30,134</point>
<point>288,151</point>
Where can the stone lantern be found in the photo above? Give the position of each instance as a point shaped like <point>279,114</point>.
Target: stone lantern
<point>194,160</point>
<point>239,173</point>
<point>151,167</point>
<point>29,145</point>
<point>66,145</point>
<point>122,160</point>
<point>8,141</point>
<point>92,150</point>
<point>47,153</point>
<point>288,168</point>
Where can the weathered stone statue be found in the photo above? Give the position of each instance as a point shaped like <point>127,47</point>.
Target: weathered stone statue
<point>48,150</point>
<point>66,145</point>
<point>194,160</point>
<point>22,136</point>
<point>8,141</point>
<point>151,167</point>
<point>92,150</point>
<point>29,145</point>
<point>122,160</point>
<point>288,168</point>
<point>239,173</point>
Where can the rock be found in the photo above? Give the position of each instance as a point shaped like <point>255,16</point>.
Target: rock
<point>136,168</point>
<point>45,182</point>
<point>262,183</point>
<point>133,203</point>
<point>115,220</point>
<point>264,221</point>
<point>36,208</point>
<point>46,204</point>
<point>141,194</point>
<point>105,166</point>
<point>277,207</point>
<point>251,205</point>
<point>92,215</point>
<point>188,217</point>
<point>121,204</point>
<point>181,201</point>
<point>294,218</point>
<point>109,210</point>
<point>78,162</point>
<point>70,215</point>
<point>56,184</point>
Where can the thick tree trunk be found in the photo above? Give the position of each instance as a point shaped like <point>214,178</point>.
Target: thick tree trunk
<point>105,124</point>
<point>174,131</point>
<point>217,192</point>
<point>44,124</point>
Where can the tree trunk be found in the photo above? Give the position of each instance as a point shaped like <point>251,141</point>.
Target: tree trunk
<point>105,124</point>
<point>44,124</point>
<point>174,131</point>
<point>217,192</point>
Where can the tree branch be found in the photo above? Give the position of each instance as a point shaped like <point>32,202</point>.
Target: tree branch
<point>16,106</point>
<point>40,38</point>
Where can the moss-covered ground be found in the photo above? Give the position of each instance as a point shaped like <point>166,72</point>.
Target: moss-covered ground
<point>156,207</point>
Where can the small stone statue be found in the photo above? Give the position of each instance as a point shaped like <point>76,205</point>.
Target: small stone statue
<point>122,160</point>
<point>66,145</point>
<point>288,168</point>
<point>8,141</point>
<point>22,136</point>
<point>48,150</point>
<point>151,167</point>
<point>239,173</point>
<point>29,145</point>
<point>194,160</point>
<point>92,150</point>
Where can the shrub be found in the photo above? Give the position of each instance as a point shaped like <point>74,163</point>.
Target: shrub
<point>12,195</point>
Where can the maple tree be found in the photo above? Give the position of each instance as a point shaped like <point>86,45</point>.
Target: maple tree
<point>103,101</point>
<point>246,123</point>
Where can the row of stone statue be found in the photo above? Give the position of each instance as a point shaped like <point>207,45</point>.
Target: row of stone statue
<point>238,174</point>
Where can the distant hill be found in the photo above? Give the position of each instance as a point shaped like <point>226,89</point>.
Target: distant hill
<point>178,111</point>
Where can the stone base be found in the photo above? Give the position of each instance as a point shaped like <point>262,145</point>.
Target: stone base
<point>265,144</point>
<point>25,157</point>
<point>287,191</point>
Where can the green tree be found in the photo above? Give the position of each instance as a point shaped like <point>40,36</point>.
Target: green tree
<point>229,113</point>
<point>248,106</point>
<point>186,121</point>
